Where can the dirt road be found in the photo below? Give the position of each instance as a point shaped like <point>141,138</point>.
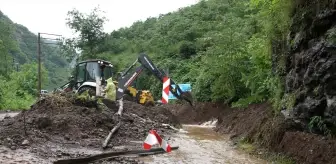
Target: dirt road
<point>197,144</point>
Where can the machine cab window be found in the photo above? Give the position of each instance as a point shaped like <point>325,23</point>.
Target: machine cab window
<point>89,70</point>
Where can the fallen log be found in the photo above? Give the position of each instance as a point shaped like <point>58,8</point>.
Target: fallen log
<point>110,134</point>
<point>92,158</point>
<point>120,107</point>
<point>117,126</point>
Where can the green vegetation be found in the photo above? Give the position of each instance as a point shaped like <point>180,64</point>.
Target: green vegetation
<point>246,146</point>
<point>18,90</point>
<point>223,48</point>
<point>318,123</point>
<point>18,70</point>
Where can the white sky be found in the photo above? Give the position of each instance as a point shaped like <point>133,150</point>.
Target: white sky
<point>49,16</point>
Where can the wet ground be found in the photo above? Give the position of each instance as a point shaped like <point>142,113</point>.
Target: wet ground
<point>197,144</point>
<point>200,144</point>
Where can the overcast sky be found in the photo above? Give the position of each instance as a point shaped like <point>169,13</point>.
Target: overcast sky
<point>49,16</point>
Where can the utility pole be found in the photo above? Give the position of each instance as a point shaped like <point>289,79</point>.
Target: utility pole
<point>39,64</point>
<point>39,43</point>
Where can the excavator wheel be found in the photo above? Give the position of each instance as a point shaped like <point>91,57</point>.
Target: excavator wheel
<point>91,90</point>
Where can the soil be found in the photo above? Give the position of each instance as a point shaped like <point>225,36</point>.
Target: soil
<point>57,124</point>
<point>308,148</point>
<point>196,114</point>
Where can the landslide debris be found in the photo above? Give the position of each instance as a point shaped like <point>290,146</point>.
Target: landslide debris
<point>62,120</point>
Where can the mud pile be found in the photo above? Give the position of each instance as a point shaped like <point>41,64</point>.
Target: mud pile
<point>196,114</point>
<point>257,124</point>
<point>60,120</point>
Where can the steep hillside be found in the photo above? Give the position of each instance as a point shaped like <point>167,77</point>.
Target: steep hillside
<point>311,63</point>
<point>221,47</point>
<point>20,46</point>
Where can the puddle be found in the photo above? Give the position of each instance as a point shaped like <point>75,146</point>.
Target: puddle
<point>202,133</point>
<point>202,145</point>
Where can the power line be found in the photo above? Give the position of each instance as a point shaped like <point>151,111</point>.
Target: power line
<point>51,39</point>
<point>50,34</point>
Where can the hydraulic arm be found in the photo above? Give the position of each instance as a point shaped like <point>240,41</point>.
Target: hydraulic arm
<point>128,77</point>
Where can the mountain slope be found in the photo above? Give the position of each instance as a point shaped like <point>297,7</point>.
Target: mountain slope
<point>205,44</point>
<point>20,46</point>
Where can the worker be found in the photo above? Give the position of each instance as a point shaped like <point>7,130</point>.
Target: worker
<point>110,91</point>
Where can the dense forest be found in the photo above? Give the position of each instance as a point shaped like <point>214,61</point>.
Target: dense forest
<point>222,48</point>
<point>18,67</point>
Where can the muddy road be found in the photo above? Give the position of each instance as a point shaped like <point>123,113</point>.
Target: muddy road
<point>197,144</point>
<point>200,144</point>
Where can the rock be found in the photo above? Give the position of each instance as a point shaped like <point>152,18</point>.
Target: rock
<point>34,150</point>
<point>6,116</point>
<point>67,137</point>
<point>311,63</point>
<point>13,147</point>
<point>84,136</point>
<point>25,143</point>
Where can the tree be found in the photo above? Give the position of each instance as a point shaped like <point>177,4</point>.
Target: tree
<point>5,60</point>
<point>89,28</point>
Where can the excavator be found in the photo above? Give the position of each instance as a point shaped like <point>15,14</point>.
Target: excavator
<point>91,76</point>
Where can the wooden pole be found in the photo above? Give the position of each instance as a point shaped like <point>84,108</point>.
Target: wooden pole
<point>109,155</point>
<point>39,64</point>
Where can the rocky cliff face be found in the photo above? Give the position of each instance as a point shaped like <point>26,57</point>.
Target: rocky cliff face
<point>311,61</point>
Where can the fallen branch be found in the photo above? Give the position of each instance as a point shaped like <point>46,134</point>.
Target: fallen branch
<point>92,158</point>
<point>110,134</point>
<point>117,126</point>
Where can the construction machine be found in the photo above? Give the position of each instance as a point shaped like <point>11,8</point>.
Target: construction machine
<point>91,76</point>
<point>128,76</point>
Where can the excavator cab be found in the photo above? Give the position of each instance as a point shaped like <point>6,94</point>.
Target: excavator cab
<point>86,74</point>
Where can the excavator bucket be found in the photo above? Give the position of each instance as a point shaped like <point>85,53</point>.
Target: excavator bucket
<point>187,97</point>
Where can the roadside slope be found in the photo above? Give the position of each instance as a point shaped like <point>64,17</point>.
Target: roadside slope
<point>257,124</point>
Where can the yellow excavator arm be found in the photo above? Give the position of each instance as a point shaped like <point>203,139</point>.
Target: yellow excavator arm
<point>127,79</point>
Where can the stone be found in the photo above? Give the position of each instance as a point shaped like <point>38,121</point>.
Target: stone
<point>25,143</point>
<point>6,116</point>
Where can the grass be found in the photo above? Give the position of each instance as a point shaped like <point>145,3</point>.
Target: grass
<point>281,159</point>
<point>273,158</point>
<point>246,146</point>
